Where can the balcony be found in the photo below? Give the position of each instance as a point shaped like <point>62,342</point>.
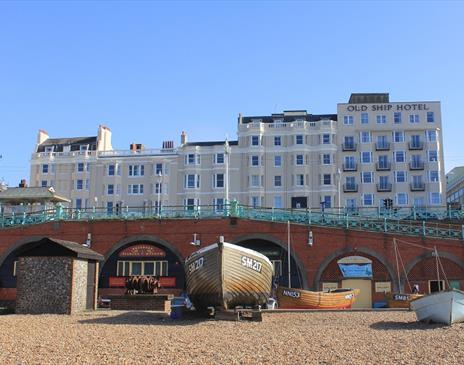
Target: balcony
<point>416,165</point>
<point>384,187</point>
<point>416,145</point>
<point>417,186</point>
<point>382,146</point>
<point>350,166</point>
<point>350,188</point>
<point>383,166</point>
<point>349,146</point>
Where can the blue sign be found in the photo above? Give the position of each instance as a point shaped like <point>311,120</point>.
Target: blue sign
<point>356,270</point>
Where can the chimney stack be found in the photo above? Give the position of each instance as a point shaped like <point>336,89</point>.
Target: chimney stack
<point>23,183</point>
<point>183,138</point>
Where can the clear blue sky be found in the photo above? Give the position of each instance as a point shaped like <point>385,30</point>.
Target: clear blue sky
<point>149,70</point>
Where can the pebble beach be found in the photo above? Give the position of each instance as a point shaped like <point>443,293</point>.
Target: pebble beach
<point>117,337</point>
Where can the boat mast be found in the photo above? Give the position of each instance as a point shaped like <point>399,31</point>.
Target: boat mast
<point>288,254</point>
<point>438,270</point>
<point>397,264</point>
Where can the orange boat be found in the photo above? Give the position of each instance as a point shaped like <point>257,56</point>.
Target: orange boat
<point>401,300</point>
<point>291,298</point>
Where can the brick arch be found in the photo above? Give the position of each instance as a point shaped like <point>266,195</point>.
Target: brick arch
<point>419,267</point>
<point>360,251</point>
<point>278,242</point>
<point>17,245</point>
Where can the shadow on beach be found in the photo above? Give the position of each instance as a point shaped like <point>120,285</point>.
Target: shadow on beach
<point>395,326</point>
<point>143,318</point>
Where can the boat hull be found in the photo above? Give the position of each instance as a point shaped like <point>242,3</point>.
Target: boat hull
<point>443,307</point>
<point>225,276</point>
<point>397,300</point>
<point>290,298</point>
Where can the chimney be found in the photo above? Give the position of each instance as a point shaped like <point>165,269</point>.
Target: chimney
<point>104,138</point>
<point>168,145</point>
<point>183,138</point>
<point>240,117</point>
<point>23,183</point>
<point>42,136</point>
<point>136,147</point>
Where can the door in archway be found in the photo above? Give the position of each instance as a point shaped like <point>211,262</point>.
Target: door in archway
<point>364,299</point>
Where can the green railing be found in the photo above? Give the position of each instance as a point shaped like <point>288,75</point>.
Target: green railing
<point>342,218</point>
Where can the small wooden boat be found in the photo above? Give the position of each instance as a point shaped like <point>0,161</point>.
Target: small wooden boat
<point>224,275</point>
<point>442,307</point>
<point>291,298</point>
<point>401,300</point>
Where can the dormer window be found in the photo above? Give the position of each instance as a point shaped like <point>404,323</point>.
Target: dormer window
<point>84,147</point>
<point>49,149</point>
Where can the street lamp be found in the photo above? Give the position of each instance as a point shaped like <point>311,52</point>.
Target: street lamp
<point>160,183</point>
<point>339,174</point>
<point>226,156</point>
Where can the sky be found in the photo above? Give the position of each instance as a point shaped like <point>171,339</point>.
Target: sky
<point>149,70</point>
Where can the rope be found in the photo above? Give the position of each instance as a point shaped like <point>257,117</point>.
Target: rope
<point>415,245</point>
<point>405,274</point>
<point>443,270</point>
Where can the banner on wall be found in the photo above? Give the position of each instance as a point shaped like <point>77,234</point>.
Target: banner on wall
<point>356,270</point>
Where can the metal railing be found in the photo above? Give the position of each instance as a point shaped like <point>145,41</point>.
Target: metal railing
<point>410,221</point>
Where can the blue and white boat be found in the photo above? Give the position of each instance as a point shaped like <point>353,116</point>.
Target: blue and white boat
<point>442,307</point>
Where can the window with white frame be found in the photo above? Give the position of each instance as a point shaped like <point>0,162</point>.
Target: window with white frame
<point>45,169</point>
<point>254,160</point>
<point>326,138</point>
<point>111,170</point>
<point>277,181</point>
<point>433,176</point>
<point>255,140</point>
<point>400,156</point>
<point>190,203</point>
<point>80,167</point>
<point>400,176</point>
<point>219,180</point>
<point>299,160</point>
<point>87,184</point>
<point>110,189</point>
<point>192,159</point>
<point>135,189</point>
<point>397,118</point>
<point>158,188</point>
<point>218,204</point>
<point>326,179</point>
<point>414,118</point>
<point>327,201</point>
<point>44,183</point>
<point>277,140</point>
<point>433,155</point>
<point>366,137</point>
<point>348,120</point>
<point>277,161</point>
<point>219,158</point>
<point>255,201</point>
<point>299,179</point>
<point>366,157</point>
<point>278,202</point>
<point>402,199</point>
<point>435,198</point>
<point>79,184</point>
<point>78,204</point>
<point>191,181</point>
<point>367,177</point>
<point>368,200</point>
<point>152,268</point>
<point>364,118</point>
<point>299,139</point>
<point>136,170</point>
<point>431,135</point>
<point>326,160</point>
<point>255,180</point>
<point>381,119</point>
<point>430,117</point>
<point>398,136</point>
<point>158,169</point>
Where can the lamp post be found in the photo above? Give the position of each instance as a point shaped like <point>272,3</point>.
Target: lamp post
<point>339,174</point>
<point>226,190</point>
<point>160,183</point>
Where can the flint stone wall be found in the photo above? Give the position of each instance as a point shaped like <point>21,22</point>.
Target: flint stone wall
<point>79,286</point>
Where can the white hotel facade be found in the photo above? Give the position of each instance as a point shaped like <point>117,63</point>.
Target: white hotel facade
<point>369,151</point>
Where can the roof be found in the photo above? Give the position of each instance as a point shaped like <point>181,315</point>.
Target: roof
<point>456,175</point>
<point>292,117</point>
<point>47,246</point>
<point>369,98</point>
<point>31,195</point>
<point>212,143</point>
<point>74,142</point>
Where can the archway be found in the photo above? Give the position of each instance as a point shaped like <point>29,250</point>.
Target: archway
<point>277,252</point>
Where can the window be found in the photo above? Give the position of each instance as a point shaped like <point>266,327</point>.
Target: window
<point>135,189</point>
<point>326,138</point>
<point>109,207</point>
<point>436,285</point>
<point>79,184</point>
<point>80,167</point>
<point>430,117</point>
<point>349,142</point>
<point>219,180</point>
<point>299,139</point>
<point>367,177</point>
<point>84,147</point>
<point>398,136</point>
<point>431,135</point>
<point>299,160</point>
<point>435,198</point>
<point>136,170</point>
<point>400,156</point>
<point>110,170</point>
<point>414,118</point>
<point>278,202</point>
<point>368,199</point>
<point>400,176</point>
<point>397,118</point>
<point>45,169</point>
<point>433,176</point>
<point>366,137</point>
<point>433,155</point>
<point>402,199</point>
<point>381,119</point>
<point>350,181</point>
<point>192,181</point>
<point>277,180</point>
<point>49,149</point>
<point>219,158</point>
<point>327,201</point>
<point>218,204</point>
<point>419,201</point>
<point>327,179</point>
<point>366,157</point>
<point>110,189</point>
<point>189,203</point>
<point>159,169</point>
<point>326,160</point>
<point>255,180</point>
<point>87,184</point>
<point>152,268</point>
<point>78,204</point>
<point>349,162</point>
<point>158,188</point>
<point>277,141</point>
<point>192,159</point>
<point>277,161</point>
<point>348,120</point>
<point>255,201</point>
<point>299,179</point>
<point>44,183</point>
<point>254,160</point>
<point>364,118</point>
<point>255,140</point>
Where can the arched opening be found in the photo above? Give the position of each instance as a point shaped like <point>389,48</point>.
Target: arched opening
<point>141,256</point>
<point>277,253</point>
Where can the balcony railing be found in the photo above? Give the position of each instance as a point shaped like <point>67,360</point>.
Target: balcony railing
<point>384,187</point>
<point>349,146</point>
<point>382,146</point>
<point>417,186</point>
<point>350,166</point>
<point>417,145</point>
<point>416,165</point>
<point>383,166</point>
<point>350,188</point>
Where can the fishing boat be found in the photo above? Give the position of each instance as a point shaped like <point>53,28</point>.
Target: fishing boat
<point>224,276</point>
<point>441,307</point>
<point>291,298</point>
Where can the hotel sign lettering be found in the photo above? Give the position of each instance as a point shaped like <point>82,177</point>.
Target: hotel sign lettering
<point>142,250</point>
<point>386,107</point>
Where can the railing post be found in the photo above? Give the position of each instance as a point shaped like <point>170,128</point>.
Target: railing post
<point>378,212</point>
<point>346,220</point>
<point>423,228</point>
<point>385,224</point>
<point>462,231</point>
<point>414,212</point>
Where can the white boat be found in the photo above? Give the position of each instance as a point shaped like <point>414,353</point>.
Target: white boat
<point>442,307</point>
